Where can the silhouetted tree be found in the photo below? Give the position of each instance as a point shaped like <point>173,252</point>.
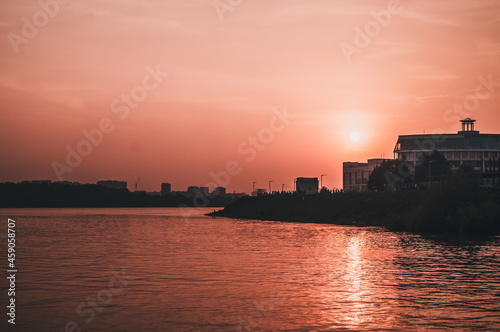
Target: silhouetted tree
<point>88,195</point>
<point>378,178</point>
<point>439,167</point>
<point>465,178</point>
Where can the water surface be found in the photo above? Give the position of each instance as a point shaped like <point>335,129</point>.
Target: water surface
<point>188,272</point>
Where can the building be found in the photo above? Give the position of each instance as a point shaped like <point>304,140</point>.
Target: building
<point>37,182</point>
<point>193,190</point>
<point>259,191</point>
<point>68,183</point>
<point>355,175</point>
<point>220,191</point>
<point>166,189</point>
<point>467,147</point>
<point>41,181</point>
<point>113,184</point>
<point>235,195</point>
<point>205,191</point>
<point>308,186</point>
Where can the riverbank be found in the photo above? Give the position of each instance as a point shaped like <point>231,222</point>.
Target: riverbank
<point>440,211</point>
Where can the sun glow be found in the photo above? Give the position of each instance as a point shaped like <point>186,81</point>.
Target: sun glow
<point>355,136</point>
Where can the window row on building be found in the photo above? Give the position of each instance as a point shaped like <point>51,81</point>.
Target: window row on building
<point>413,156</point>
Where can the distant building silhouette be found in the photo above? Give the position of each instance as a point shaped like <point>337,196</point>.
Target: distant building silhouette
<point>38,182</point>
<point>166,189</point>
<point>68,183</point>
<point>220,191</point>
<point>259,191</point>
<point>193,190</point>
<point>234,195</point>
<point>355,175</point>
<point>308,186</point>
<point>113,184</point>
<point>204,191</point>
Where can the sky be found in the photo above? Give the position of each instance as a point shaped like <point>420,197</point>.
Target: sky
<point>231,92</point>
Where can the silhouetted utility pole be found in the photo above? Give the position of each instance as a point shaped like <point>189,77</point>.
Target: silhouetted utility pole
<point>253,189</point>
<point>282,188</point>
<point>137,182</point>
<point>322,180</point>
<point>270,186</point>
<point>430,162</point>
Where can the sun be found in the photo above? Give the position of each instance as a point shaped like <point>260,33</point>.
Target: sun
<point>355,136</point>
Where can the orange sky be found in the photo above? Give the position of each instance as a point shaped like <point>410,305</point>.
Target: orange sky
<point>228,68</point>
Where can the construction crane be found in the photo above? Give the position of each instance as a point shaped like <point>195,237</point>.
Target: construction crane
<point>136,183</point>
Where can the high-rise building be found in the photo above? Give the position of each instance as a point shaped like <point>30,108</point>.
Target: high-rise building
<point>220,191</point>
<point>166,188</point>
<point>193,190</point>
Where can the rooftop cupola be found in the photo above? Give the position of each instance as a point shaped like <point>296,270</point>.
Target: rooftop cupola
<point>468,126</point>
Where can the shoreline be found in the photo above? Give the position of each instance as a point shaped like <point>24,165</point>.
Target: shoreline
<point>463,211</point>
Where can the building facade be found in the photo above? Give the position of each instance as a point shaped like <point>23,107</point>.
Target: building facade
<point>355,174</point>
<point>467,147</point>
<point>308,186</point>
<point>166,189</point>
<point>205,191</point>
<point>113,184</point>
<point>220,191</point>
<point>259,191</point>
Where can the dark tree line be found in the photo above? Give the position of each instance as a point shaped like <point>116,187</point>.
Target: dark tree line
<point>90,195</point>
<point>433,167</point>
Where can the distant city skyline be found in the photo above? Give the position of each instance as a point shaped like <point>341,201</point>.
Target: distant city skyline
<point>182,91</point>
<point>163,188</point>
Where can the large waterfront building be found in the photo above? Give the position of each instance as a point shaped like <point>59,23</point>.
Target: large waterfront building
<point>467,147</point>
<point>355,174</point>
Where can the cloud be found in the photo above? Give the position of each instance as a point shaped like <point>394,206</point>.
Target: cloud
<point>54,96</point>
<point>437,76</point>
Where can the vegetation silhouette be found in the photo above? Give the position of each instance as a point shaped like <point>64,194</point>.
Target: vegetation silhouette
<point>459,206</point>
<point>436,163</point>
<point>378,179</point>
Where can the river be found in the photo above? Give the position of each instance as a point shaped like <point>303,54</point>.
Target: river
<point>172,269</point>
